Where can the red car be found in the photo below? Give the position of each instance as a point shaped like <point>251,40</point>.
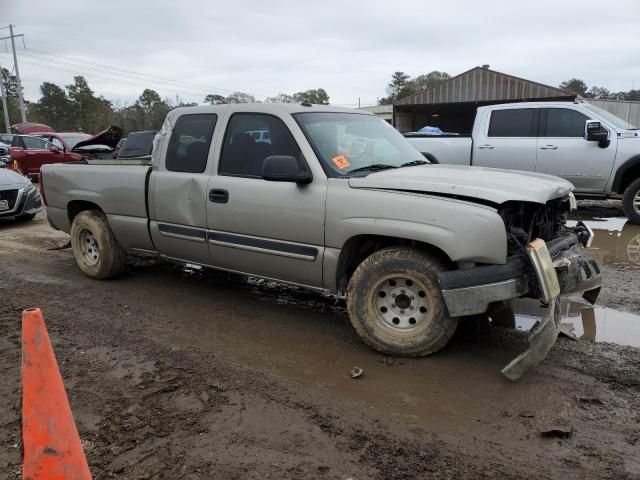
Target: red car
<point>39,148</point>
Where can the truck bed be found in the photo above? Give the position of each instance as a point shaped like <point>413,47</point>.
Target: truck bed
<point>451,150</point>
<point>117,187</point>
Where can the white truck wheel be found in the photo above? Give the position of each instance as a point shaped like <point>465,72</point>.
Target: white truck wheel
<point>631,202</point>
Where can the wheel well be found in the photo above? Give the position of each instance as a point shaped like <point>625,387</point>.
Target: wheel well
<point>629,176</point>
<point>76,206</point>
<point>357,248</point>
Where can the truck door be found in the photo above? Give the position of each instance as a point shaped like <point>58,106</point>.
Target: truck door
<point>507,139</point>
<point>260,227</point>
<point>563,151</point>
<point>178,187</point>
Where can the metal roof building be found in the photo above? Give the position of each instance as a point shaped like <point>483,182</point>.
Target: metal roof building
<point>451,105</point>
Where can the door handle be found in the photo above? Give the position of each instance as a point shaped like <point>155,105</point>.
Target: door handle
<point>549,147</point>
<point>218,195</point>
<point>489,147</point>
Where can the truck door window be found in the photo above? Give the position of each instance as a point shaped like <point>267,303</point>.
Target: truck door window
<point>189,143</point>
<point>514,122</point>
<point>563,122</point>
<point>250,138</point>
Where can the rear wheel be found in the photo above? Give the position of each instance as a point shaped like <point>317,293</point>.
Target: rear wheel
<point>395,303</point>
<point>95,248</point>
<point>631,202</point>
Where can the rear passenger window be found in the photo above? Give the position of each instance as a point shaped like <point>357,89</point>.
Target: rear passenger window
<point>513,122</point>
<point>189,143</point>
<point>563,122</point>
<point>252,137</point>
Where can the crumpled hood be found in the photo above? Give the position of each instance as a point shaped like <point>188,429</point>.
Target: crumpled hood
<point>9,178</point>
<point>490,184</point>
<point>109,137</point>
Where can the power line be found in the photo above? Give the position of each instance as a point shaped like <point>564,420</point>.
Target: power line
<point>125,71</point>
<point>104,76</point>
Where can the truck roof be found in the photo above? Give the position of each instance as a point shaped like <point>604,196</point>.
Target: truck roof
<point>266,108</point>
<point>529,104</point>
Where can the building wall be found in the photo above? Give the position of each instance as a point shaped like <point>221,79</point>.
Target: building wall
<point>629,111</point>
<point>385,112</point>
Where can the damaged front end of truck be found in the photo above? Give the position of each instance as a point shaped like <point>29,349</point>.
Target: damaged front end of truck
<point>545,261</point>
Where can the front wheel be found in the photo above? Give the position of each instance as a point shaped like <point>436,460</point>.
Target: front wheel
<point>396,305</point>
<point>631,202</point>
<point>95,248</point>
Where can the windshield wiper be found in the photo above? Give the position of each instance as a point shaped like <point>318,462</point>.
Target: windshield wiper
<point>374,167</point>
<point>413,163</point>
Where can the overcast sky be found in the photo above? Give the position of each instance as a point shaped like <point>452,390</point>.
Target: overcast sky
<point>349,48</point>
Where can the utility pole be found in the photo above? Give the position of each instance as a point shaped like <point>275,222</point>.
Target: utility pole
<point>5,110</point>
<point>23,111</point>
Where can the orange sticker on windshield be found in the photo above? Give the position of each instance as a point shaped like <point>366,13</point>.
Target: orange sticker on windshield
<point>340,162</point>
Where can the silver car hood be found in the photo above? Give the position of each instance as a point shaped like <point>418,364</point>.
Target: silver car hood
<point>9,178</point>
<point>490,184</point>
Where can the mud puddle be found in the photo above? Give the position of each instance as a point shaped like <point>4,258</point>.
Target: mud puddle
<point>586,322</point>
<point>616,242</point>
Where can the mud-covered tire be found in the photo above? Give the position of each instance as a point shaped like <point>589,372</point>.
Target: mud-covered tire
<point>95,248</point>
<point>373,301</point>
<point>631,202</point>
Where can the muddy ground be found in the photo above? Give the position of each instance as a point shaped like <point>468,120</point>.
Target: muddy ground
<point>178,374</point>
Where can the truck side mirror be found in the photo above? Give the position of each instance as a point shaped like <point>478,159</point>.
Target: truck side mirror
<point>593,132</point>
<point>284,168</point>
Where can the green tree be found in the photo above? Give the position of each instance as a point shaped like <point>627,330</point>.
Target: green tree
<point>280,98</point>
<point>53,108</point>
<point>575,85</point>
<point>240,97</point>
<point>598,93</point>
<point>317,96</point>
<point>399,85</point>
<point>11,91</point>
<point>154,109</point>
<point>215,99</point>
<point>90,113</point>
<point>428,80</point>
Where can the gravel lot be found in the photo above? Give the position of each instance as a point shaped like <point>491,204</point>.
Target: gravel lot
<point>173,373</point>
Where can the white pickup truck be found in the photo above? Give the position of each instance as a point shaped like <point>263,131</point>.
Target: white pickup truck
<point>596,151</point>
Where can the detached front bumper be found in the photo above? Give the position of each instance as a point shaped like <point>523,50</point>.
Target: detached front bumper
<point>473,291</point>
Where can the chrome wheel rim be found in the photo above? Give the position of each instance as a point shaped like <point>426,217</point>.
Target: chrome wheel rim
<point>89,247</point>
<point>402,304</point>
<point>636,202</point>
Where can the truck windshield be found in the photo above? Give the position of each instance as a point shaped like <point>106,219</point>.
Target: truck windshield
<point>610,117</point>
<point>346,142</point>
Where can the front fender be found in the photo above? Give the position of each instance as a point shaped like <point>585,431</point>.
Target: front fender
<point>464,230</point>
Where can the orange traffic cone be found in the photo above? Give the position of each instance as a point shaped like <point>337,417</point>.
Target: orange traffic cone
<point>52,448</point>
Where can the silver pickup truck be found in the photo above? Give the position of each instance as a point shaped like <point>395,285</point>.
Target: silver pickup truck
<point>593,149</point>
<point>335,200</point>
